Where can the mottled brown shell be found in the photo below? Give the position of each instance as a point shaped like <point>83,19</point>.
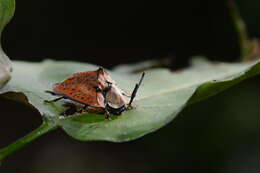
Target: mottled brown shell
<point>81,87</point>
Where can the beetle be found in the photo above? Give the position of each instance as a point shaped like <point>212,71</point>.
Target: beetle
<point>96,91</point>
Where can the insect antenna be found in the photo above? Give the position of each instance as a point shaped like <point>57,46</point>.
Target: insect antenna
<point>135,90</point>
<point>105,91</point>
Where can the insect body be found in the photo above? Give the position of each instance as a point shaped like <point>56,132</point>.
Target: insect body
<point>96,90</point>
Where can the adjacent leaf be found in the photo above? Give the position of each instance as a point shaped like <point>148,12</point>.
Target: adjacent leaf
<point>6,13</point>
<point>5,69</point>
<point>7,8</point>
<point>161,97</point>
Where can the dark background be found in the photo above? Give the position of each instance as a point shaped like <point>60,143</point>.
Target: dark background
<point>110,33</point>
<point>220,134</point>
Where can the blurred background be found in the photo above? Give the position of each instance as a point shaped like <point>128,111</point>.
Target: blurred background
<point>218,135</point>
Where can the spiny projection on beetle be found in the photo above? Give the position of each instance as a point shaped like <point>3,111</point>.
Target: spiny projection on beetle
<point>96,91</point>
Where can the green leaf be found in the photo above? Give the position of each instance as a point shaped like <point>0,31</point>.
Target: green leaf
<point>7,8</point>
<point>161,97</point>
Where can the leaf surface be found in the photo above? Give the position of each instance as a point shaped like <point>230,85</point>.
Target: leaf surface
<point>161,97</point>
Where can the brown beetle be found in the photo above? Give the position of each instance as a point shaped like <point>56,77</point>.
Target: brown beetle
<point>96,90</point>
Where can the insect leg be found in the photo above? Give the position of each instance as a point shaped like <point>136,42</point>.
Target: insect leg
<point>51,92</point>
<point>107,115</point>
<point>104,92</point>
<point>135,90</point>
<point>71,109</point>
<point>54,100</point>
